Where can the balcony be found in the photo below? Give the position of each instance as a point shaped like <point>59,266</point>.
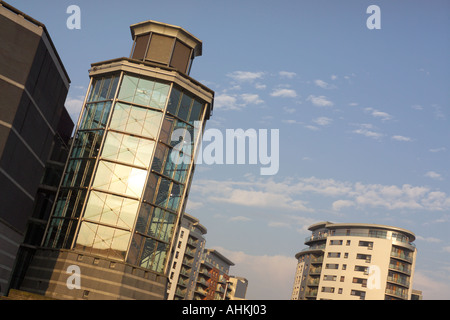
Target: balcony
<point>316,238</point>
<point>397,293</point>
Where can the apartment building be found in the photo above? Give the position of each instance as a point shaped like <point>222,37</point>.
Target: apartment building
<point>198,273</point>
<point>351,261</point>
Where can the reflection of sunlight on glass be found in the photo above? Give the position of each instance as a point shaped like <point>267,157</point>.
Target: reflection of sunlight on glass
<point>136,181</point>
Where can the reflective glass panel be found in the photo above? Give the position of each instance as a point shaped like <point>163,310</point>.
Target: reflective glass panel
<point>136,120</point>
<point>120,179</point>
<point>111,209</point>
<point>185,107</point>
<point>196,112</point>
<point>174,101</point>
<point>128,149</point>
<point>128,88</point>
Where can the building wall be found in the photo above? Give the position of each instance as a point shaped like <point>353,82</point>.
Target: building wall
<point>355,262</point>
<point>33,88</point>
<point>52,275</point>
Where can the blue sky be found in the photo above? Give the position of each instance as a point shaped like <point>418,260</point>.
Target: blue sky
<point>363,117</point>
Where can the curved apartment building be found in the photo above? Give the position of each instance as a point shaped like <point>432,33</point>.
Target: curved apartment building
<point>352,261</point>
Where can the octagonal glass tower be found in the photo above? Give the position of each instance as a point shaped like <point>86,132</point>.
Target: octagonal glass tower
<point>133,154</point>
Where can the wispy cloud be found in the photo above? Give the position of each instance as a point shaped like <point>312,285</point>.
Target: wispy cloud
<point>292,194</point>
<point>284,93</point>
<point>320,101</point>
<point>434,175</point>
<point>401,138</point>
<point>384,116</point>
<point>438,149</point>
<point>250,98</point>
<point>226,102</point>
<point>367,130</point>
<point>323,84</point>
<point>287,74</point>
<point>323,121</point>
<point>246,75</point>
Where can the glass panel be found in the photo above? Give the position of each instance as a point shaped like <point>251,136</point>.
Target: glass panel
<point>150,188</point>
<point>120,179</point>
<point>166,129</point>
<point>128,149</point>
<point>128,88</point>
<point>86,236</point>
<point>185,107</point>
<point>159,96</point>
<point>136,120</point>
<point>148,253</point>
<point>196,112</point>
<point>158,159</point>
<point>87,144</point>
<point>105,89</point>
<point>144,92</point>
<point>175,196</point>
<point>102,241</point>
<point>119,244</point>
<point>145,213</point>
<point>174,101</point>
<point>163,192</point>
<point>78,173</point>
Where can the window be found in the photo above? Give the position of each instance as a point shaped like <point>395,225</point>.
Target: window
<point>342,278</point>
<point>348,242</point>
<point>329,278</point>
<point>344,267</point>
<point>368,244</point>
<point>360,294</point>
<point>334,254</point>
<point>340,291</point>
<point>361,281</point>
<point>335,242</point>
<point>331,266</point>
<point>346,255</point>
<point>366,257</point>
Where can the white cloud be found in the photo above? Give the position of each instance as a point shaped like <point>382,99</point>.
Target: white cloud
<point>260,86</point>
<point>226,102</point>
<point>287,74</point>
<point>291,194</point>
<point>364,130</point>
<point>251,98</point>
<point>379,114</point>
<point>284,93</point>
<point>401,138</point>
<point>321,83</point>
<point>323,121</point>
<point>340,204</point>
<point>438,149</point>
<point>313,128</point>
<point>333,77</point>
<point>433,175</point>
<point>74,105</point>
<point>246,75</point>
<point>320,101</point>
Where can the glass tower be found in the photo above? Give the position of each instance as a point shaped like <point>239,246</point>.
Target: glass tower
<point>131,163</point>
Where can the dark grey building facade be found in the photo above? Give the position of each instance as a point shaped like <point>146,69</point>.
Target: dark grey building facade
<point>33,125</point>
